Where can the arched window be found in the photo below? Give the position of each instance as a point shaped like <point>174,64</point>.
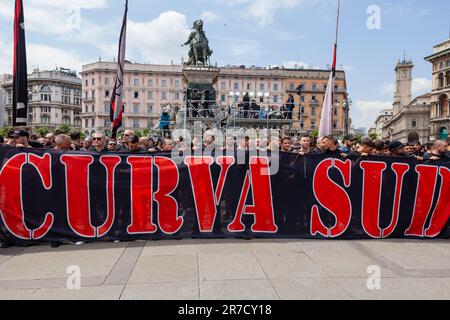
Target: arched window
<point>66,121</point>
<point>46,93</point>
<point>413,137</point>
<point>443,133</point>
<point>77,122</point>
<point>45,120</point>
<point>45,89</point>
<point>444,108</point>
<point>441,80</point>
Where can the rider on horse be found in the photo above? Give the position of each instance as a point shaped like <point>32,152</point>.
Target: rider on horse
<point>198,39</point>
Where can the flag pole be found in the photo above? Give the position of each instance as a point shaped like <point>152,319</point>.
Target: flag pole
<point>337,20</point>
<point>20,81</point>
<point>116,104</point>
<point>327,121</point>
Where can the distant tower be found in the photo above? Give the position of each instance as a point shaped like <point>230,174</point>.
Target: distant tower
<point>403,85</point>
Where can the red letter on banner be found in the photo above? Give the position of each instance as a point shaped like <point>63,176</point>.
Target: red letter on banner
<point>372,185</point>
<point>441,214</point>
<point>168,219</point>
<point>77,193</point>
<point>424,201</point>
<point>110,163</point>
<point>141,195</point>
<point>11,195</point>
<point>206,200</point>
<point>339,204</point>
<point>262,198</point>
<point>426,186</point>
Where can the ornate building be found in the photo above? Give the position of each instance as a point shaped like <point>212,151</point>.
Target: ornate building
<point>410,119</point>
<point>384,116</point>
<point>149,88</point>
<point>2,104</point>
<point>54,99</point>
<point>440,96</point>
<point>308,106</point>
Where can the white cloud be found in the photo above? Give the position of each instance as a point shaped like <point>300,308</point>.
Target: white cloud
<point>46,57</point>
<point>420,86</point>
<point>158,40</point>
<point>244,48</point>
<point>264,11</point>
<point>6,52</point>
<point>82,4</point>
<point>209,16</point>
<point>366,112</point>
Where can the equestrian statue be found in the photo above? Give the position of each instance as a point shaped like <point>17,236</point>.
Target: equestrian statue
<point>199,52</point>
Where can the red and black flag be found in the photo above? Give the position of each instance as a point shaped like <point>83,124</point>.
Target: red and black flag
<point>20,82</point>
<point>116,110</point>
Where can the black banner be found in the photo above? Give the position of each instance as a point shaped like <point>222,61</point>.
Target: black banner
<point>49,196</point>
<point>20,82</point>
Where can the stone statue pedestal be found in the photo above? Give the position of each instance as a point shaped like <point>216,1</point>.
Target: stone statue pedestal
<point>201,97</point>
<point>201,76</point>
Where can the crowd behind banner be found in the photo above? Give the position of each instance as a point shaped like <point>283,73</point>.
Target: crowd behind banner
<point>350,147</point>
<point>322,188</point>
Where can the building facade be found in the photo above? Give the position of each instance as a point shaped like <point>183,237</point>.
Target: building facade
<point>146,90</point>
<point>410,119</point>
<point>440,95</point>
<point>54,99</point>
<point>2,104</point>
<point>384,116</point>
<point>308,106</point>
<point>149,88</point>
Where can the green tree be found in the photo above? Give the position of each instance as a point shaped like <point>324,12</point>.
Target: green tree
<point>43,131</point>
<point>65,128</point>
<point>373,136</point>
<point>358,138</point>
<point>315,134</point>
<point>4,131</point>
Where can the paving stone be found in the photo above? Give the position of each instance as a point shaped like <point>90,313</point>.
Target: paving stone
<point>162,291</point>
<point>230,267</point>
<point>260,289</point>
<point>151,269</point>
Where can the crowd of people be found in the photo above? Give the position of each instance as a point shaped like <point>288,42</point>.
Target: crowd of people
<point>350,147</point>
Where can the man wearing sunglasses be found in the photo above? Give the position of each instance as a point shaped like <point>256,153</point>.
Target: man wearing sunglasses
<point>99,142</point>
<point>125,141</point>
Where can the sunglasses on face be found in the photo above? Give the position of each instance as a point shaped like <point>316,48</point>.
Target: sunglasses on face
<point>97,139</point>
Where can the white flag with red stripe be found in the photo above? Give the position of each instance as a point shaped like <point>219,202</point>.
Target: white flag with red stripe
<point>327,121</point>
<point>116,104</point>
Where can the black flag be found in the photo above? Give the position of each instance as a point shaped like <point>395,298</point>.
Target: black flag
<point>20,82</point>
<point>116,104</point>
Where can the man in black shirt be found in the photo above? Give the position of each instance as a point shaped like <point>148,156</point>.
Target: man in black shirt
<point>133,145</point>
<point>438,152</point>
<point>366,148</point>
<point>99,143</point>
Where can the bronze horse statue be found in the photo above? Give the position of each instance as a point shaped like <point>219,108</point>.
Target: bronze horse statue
<point>200,52</point>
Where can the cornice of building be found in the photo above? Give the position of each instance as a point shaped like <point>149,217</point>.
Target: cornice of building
<point>108,66</point>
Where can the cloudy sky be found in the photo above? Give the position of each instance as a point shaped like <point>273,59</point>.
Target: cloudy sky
<point>373,36</point>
